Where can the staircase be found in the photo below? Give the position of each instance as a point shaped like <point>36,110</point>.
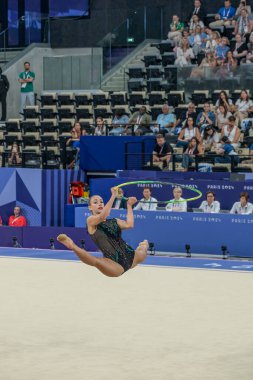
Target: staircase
<point>8,55</point>
<point>116,79</point>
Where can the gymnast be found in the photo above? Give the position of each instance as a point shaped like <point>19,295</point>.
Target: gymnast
<point>118,256</point>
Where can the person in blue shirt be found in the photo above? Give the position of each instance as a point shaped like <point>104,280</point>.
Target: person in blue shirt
<point>119,122</point>
<point>227,153</point>
<point>205,118</point>
<point>221,50</point>
<point>225,15</point>
<point>165,121</point>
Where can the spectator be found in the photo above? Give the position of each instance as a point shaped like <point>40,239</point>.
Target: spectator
<point>212,43</point>
<point>231,131</point>
<point>249,57</point>
<point>230,64</point>
<point>244,206</point>
<point>241,6</point>
<point>195,41</point>
<point>15,158</point>
<point>225,15</point>
<point>227,153</point>
<point>188,132</point>
<point>210,204</point>
<point>224,101</point>
<point>243,25</point>
<point>120,202</point>
<point>26,79</point>
<point>198,10</point>
<point>196,22</point>
<point>240,50</point>
<point>191,111</point>
<point>221,50</point>
<point>206,117</point>
<point>162,152</point>
<point>4,87</point>
<point>147,203</point>
<point>119,122</point>
<point>194,149</point>
<point>176,29</point>
<point>177,204</point>
<point>184,53</point>
<point>74,143</point>
<point>243,106</point>
<point>17,220</point>
<point>165,121</point>
<point>222,115</point>
<point>209,62</point>
<point>209,139</point>
<point>100,129</point>
<point>141,121</point>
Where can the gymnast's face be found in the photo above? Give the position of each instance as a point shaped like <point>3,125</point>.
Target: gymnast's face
<point>96,204</point>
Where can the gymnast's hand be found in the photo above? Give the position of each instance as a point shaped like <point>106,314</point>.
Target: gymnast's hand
<point>114,191</point>
<point>131,201</point>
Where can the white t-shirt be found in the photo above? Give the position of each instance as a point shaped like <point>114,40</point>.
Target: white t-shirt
<point>177,206</point>
<point>243,105</point>
<point>147,204</point>
<point>213,208</point>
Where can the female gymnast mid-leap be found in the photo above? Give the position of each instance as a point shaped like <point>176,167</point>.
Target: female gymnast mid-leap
<point>118,256</point>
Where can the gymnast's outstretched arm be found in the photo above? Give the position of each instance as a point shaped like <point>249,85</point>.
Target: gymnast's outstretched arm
<point>94,220</point>
<point>129,222</point>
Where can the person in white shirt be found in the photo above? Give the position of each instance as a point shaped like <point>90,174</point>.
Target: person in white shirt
<point>147,203</point>
<point>244,206</point>
<point>178,204</point>
<point>210,205</point>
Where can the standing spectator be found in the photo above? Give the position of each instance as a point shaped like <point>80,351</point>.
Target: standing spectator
<point>231,131</point>
<point>147,203</point>
<point>26,79</point>
<point>243,106</point>
<point>100,129</point>
<point>206,117</point>
<point>184,53</point>
<point>176,29</point>
<point>194,149</point>
<point>17,220</point>
<point>198,10</point>
<point>244,206</point>
<point>189,131</point>
<point>119,122</point>
<point>225,15</point>
<point>210,204</point>
<point>240,50</point>
<point>177,204</point>
<point>165,121</point>
<point>162,152</point>
<point>141,121</point>
<point>4,87</point>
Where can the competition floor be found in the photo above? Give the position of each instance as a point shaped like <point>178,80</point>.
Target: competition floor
<point>62,320</point>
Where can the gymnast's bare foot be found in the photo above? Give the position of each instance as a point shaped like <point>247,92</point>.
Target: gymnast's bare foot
<point>65,240</point>
<point>144,244</point>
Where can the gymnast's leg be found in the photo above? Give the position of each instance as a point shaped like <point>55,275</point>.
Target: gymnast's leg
<point>140,253</point>
<point>106,266</point>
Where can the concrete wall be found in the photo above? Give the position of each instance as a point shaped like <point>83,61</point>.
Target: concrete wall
<point>36,57</point>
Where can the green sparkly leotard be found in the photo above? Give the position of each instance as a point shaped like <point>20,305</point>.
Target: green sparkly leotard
<point>108,239</point>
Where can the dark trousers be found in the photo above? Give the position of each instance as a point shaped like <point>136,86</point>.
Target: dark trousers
<point>3,101</point>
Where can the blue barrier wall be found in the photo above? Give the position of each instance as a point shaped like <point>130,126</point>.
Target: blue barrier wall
<point>226,192</point>
<point>106,153</point>
<point>205,233</point>
<point>40,193</point>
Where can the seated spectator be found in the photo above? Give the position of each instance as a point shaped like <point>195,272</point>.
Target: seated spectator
<point>17,220</point>
<point>184,53</point>
<point>225,15</point>
<point>206,66</point>
<point>189,131</point>
<point>210,204</point>
<point>227,153</point>
<point>243,25</point>
<point>15,158</point>
<point>244,206</point>
<point>249,57</point>
<point>165,121</point>
<point>229,65</point>
<point>212,43</point>
<point>195,148</point>
<point>141,121</point>
<point>176,29</point>
<point>209,139</point>
<point>243,106</point>
<point>177,204</point>
<point>224,101</point>
<point>221,50</point>
<point>195,41</point>
<point>119,122</point>
<point>242,5</point>
<point>196,22</point>
<point>240,50</point>
<point>119,202</point>
<point>222,115</point>
<point>231,131</point>
<point>198,10</point>
<point>206,117</point>
<point>147,203</point>
<point>191,111</point>
<point>73,156</point>
<point>100,129</point>
<point>162,152</point>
